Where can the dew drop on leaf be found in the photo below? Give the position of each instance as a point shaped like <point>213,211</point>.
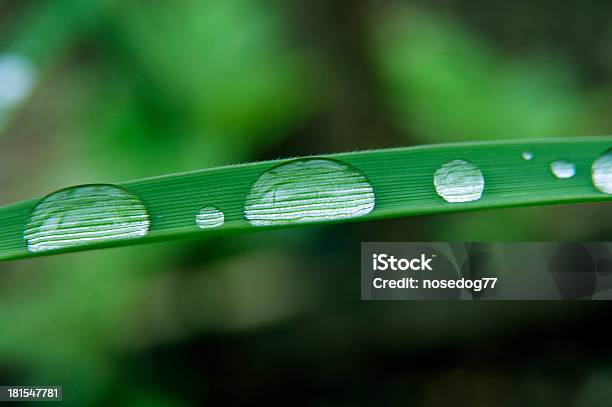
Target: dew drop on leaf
<point>601,172</point>
<point>563,169</point>
<point>85,214</point>
<point>210,217</point>
<point>459,181</point>
<point>308,190</point>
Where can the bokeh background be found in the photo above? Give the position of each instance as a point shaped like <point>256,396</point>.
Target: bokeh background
<point>107,90</point>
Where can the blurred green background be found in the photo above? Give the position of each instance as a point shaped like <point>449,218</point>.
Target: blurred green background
<point>107,90</point>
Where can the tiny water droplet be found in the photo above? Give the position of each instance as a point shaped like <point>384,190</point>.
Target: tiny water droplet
<point>308,190</point>
<point>459,181</point>
<point>210,217</point>
<point>602,172</point>
<point>527,155</point>
<point>85,214</point>
<point>563,169</point>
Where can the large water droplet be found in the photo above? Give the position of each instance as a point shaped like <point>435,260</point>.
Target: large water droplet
<point>563,169</point>
<point>210,217</point>
<point>308,190</point>
<point>459,181</point>
<point>601,172</point>
<point>85,214</point>
<point>527,155</point>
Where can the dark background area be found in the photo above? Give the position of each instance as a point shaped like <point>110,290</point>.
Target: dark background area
<point>107,91</point>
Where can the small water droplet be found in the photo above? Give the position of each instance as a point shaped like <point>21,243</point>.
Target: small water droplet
<point>210,217</point>
<point>527,155</point>
<point>602,172</point>
<point>308,190</point>
<point>459,181</point>
<point>85,214</point>
<point>563,169</point>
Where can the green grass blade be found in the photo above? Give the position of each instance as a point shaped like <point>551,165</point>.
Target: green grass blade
<point>401,180</point>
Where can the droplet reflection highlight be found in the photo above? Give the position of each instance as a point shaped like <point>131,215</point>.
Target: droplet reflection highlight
<point>308,190</point>
<point>459,181</point>
<point>85,214</point>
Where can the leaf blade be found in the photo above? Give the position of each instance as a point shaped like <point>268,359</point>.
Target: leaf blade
<point>402,179</point>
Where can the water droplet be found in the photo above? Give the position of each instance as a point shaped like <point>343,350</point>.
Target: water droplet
<point>308,190</point>
<point>563,169</point>
<point>17,76</point>
<point>602,172</point>
<point>459,181</point>
<point>527,155</point>
<point>210,217</point>
<point>85,214</point>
